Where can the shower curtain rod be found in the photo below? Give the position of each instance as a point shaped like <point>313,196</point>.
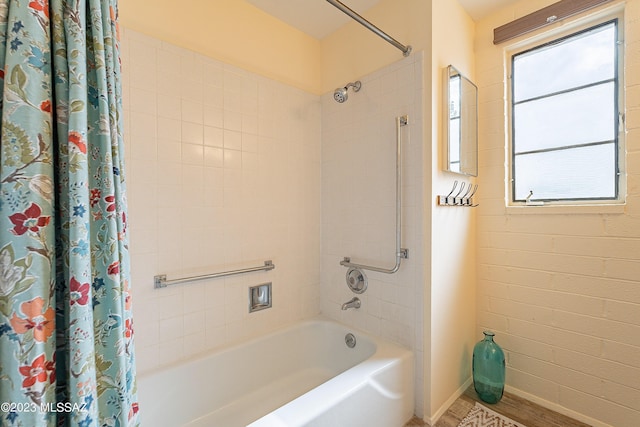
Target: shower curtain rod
<point>406,50</point>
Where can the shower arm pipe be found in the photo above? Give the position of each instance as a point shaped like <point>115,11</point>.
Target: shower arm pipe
<point>406,50</point>
<point>400,251</point>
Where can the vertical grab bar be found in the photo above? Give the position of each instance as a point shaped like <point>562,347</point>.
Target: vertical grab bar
<point>400,251</point>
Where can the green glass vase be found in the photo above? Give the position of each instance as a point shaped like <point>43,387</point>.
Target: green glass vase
<point>488,369</point>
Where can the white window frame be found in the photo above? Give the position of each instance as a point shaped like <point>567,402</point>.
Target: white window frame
<point>541,38</point>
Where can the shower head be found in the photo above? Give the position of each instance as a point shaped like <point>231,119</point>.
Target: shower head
<point>341,95</point>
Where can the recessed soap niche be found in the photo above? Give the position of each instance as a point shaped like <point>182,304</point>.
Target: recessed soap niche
<point>259,297</point>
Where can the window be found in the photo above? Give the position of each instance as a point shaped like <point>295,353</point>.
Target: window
<point>565,140</point>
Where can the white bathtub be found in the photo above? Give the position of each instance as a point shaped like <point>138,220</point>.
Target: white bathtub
<point>302,375</point>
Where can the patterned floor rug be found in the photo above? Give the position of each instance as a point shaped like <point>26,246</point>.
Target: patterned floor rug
<point>481,416</point>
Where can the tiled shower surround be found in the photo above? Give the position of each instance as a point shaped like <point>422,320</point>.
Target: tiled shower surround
<point>223,173</point>
<point>359,202</point>
<point>226,169</point>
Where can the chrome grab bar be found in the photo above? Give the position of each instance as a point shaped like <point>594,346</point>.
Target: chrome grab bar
<point>161,281</point>
<point>400,251</point>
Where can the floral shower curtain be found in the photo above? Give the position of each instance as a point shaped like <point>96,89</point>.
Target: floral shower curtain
<point>66,337</point>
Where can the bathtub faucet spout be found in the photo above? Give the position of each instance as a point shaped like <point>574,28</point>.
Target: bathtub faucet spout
<point>352,303</point>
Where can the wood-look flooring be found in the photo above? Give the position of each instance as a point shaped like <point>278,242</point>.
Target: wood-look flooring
<point>511,406</point>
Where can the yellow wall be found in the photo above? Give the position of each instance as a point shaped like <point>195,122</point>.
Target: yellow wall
<point>453,258</point>
<point>232,31</point>
<point>238,33</point>
<point>353,51</point>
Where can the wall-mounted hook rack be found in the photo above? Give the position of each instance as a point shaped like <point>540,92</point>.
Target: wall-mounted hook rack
<point>461,198</point>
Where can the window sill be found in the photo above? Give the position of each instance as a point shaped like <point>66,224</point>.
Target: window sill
<point>565,209</point>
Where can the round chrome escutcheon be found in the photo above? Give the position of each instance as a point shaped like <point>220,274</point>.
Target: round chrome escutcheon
<point>350,340</point>
<point>356,280</point>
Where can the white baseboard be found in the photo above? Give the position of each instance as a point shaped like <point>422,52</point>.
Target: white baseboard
<point>555,407</point>
<point>530,397</point>
<point>449,402</point>
<point>523,394</point>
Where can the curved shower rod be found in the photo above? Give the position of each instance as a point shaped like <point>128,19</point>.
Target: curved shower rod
<point>400,251</point>
<point>406,50</point>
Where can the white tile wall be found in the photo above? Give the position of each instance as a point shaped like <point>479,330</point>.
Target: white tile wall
<point>562,291</point>
<point>223,173</point>
<point>358,204</point>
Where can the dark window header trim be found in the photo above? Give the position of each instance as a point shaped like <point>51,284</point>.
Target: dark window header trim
<point>543,17</point>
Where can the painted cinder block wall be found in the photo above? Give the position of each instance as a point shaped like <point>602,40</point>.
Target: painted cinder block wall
<point>561,289</point>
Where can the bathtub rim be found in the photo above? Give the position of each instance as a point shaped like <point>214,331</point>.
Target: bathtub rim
<point>296,324</point>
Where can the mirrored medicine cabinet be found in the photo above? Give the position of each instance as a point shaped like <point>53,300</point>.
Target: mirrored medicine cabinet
<point>461,123</point>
